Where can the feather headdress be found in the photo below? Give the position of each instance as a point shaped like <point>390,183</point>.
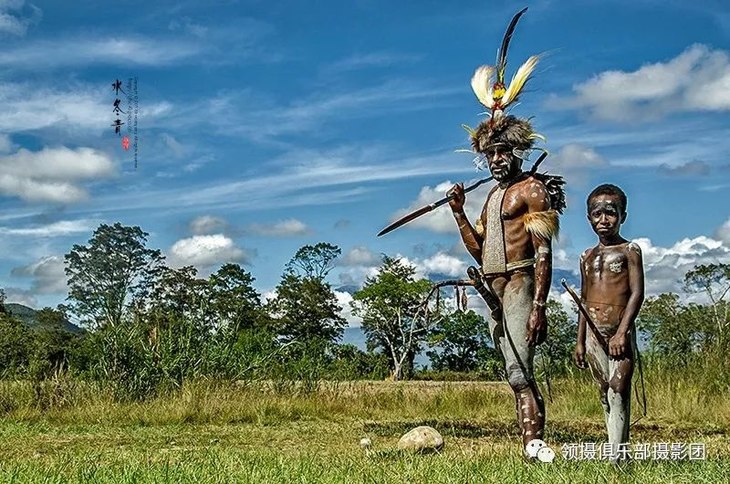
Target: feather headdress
<point>488,83</point>
<point>498,95</point>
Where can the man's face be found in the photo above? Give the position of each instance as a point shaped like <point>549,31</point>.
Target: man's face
<point>606,215</point>
<point>502,163</point>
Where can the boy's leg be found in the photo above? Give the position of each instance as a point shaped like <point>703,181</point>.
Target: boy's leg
<point>619,396</point>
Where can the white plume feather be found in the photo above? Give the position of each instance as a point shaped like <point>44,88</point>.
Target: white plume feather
<point>518,81</point>
<point>481,84</point>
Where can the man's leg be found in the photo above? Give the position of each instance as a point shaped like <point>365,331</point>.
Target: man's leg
<point>518,356</point>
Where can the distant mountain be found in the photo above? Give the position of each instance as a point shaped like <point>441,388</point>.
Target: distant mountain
<point>29,317</point>
<point>350,289</point>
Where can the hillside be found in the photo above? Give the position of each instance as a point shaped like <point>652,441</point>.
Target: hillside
<point>28,316</point>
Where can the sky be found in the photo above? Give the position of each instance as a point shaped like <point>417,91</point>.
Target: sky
<point>266,126</point>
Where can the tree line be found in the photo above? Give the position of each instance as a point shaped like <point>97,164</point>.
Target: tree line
<point>148,327</point>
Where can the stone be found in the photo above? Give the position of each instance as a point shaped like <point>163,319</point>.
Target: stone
<point>421,439</point>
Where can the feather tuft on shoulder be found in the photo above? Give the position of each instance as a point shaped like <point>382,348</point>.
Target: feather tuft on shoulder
<point>543,224</point>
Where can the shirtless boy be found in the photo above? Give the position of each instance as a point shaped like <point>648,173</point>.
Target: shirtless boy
<point>612,291</point>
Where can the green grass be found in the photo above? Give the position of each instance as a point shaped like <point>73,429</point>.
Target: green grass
<point>277,432</point>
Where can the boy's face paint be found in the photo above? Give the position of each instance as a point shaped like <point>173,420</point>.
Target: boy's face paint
<point>606,215</point>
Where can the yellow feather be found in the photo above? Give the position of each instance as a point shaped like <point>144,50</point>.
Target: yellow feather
<point>519,80</point>
<point>481,84</point>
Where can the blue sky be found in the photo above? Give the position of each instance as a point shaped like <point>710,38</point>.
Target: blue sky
<point>267,126</point>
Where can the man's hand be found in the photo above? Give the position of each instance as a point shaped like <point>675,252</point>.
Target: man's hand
<point>457,203</point>
<point>617,345</point>
<point>536,326</point>
<point>580,356</point>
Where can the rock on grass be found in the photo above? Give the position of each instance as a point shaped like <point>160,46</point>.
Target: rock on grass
<point>421,439</point>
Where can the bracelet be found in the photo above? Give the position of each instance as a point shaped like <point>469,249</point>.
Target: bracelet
<point>538,303</point>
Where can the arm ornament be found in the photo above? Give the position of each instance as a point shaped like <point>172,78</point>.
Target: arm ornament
<point>543,224</point>
<point>479,227</point>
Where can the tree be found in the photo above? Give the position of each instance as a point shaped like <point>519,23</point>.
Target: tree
<point>234,299</point>
<point>714,281</point>
<point>307,310</point>
<point>462,341</point>
<point>394,317</point>
<point>556,352</point>
<point>314,261</point>
<point>112,269</point>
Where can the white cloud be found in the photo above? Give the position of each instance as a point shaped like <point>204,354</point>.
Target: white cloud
<point>664,267</point>
<point>205,251</point>
<point>173,145</point>
<point>576,156</point>
<point>82,51</point>
<point>360,256</point>
<point>441,219</point>
<point>723,233</point>
<point>52,174</point>
<point>343,301</point>
<point>20,296</point>
<point>285,228</point>
<point>698,79</point>
<point>15,19</point>
<point>206,224</point>
<point>257,117</point>
<point>55,229</point>
<point>373,59</point>
<point>442,263</point>
<point>79,108</point>
<point>5,143</point>
<point>47,273</point>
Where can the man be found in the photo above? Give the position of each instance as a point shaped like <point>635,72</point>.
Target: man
<point>511,241</point>
<point>612,291</point>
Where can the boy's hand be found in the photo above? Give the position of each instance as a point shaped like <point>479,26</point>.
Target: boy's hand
<point>617,345</point>
<point>536,326</point>
<point>580,356</point>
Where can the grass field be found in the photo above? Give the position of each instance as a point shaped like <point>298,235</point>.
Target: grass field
<point>282,432</point>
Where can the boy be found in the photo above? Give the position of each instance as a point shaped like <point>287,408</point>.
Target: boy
<point>612,291</point>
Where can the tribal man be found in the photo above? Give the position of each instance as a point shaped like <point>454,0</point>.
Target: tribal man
<point>511,239</point>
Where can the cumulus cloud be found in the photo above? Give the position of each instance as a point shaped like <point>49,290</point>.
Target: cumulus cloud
<point>207,224</point>
<point>441,219</point>
<point>664,267</point>
<point>205,251</point>
<point>574,161</point>
<point>20,296</point>
<point>5,143</point>
<point>444,264</point>
<point>360,256</point>
<point>285,228</point>
<point>52,174</point>
<point>698,79</point>
<point>343,301</point>
<point>47,273</point>
<point>723,233</point>
<point>55,229</point>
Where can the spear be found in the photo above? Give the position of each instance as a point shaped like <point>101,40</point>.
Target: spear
<point>423,210</point>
